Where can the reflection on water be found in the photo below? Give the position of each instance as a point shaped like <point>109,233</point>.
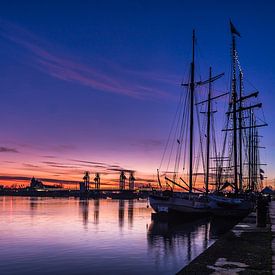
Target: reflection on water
<point>131,212</point>
<point>61,235</point>
<point>96,211</point>
<point>84,209</point>
<point>121,205</point>
<point>33,203</point>
<point>187,239</point>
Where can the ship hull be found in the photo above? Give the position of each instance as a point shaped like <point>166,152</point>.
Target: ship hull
<point>230,207</point>
<point>201,205</point>
<point>188,204</point>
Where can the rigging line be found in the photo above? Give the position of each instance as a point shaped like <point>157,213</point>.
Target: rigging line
<point>181,132</point>
<point>201,142</point>
<point>179,147</point>
<point>214,137</point>
<point>230,122</point>
<point>176,127</point>
<point>238,62</point>
<point>186,119</point>
<point>171,129</point>
<point>202,59</point>
<point>202,131</point>
<point>224,148</point>
<point>180,139</point>
<point>185,138</point>
<point>254,87</point>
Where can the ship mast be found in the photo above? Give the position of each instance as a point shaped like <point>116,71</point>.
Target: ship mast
<point>240,134</point>
<point>234,103</point>
<point>249,151</point>
<point>192,91</point>
<point>208,132</point>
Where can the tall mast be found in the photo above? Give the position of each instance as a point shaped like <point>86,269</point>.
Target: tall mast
<point>234,102</point>
<point>256,149</point>
<point>254,160</point>
<point>192,90</point>
<point>208,132</point>
<point>240,135</point>
<point>250,151</point>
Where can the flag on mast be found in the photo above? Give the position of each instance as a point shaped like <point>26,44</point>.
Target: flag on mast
<point>234,30</point>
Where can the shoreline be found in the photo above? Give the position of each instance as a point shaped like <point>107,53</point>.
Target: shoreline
<point>245,249</point>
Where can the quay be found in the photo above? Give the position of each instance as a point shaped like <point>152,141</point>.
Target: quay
<point>90,194</point>
<point>39,189</point>
<point>245,249</point>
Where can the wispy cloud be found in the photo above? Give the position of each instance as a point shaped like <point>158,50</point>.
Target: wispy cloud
<point>60,165</point>
<point>148,144</point>
<point>60,148</point>
<point>29,165</point>
<point>49,157</point>
<point>88,162</point>
<point>103,166</point>
<point>8,150</point>
<point>23,178</point>
<point>119,81</point>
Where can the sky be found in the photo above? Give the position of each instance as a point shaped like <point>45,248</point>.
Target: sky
<point>93,85</point>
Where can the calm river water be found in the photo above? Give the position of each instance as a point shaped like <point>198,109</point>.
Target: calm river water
<point>72,236</point>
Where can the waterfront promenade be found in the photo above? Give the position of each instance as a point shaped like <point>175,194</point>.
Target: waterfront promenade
<point>246,249</point>
<point>272,222</point>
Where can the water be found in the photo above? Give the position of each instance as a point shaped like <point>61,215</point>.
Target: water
<point>61,235</point>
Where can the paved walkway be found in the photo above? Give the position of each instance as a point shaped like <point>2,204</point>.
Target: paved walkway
<point>245,249</point>
<point>272,221</point>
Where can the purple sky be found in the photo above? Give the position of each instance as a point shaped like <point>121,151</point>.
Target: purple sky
<point>99,81</point>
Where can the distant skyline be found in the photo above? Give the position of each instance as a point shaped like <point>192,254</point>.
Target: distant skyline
<point>93,85</point>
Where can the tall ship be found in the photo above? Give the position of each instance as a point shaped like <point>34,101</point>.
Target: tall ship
<point>190,200</point>
<point>231,175</point>
<point>238,166</point>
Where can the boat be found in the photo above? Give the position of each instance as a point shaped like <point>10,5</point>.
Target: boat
<point>223,206</point>
<point>237,173</point>
<point>179,202</point>
<point>192,201</point>
<point>239,165</point>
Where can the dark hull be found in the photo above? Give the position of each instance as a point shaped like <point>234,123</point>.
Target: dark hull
<point>185,205</point>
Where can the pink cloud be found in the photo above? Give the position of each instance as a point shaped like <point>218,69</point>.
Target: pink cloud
<point>64,68</point>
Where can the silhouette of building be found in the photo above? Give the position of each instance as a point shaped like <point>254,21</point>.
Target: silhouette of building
<point>132,181</point>
<point>36,184</point>
<point>122,180</point>
<point>97,181</point>
<point>84,186</point>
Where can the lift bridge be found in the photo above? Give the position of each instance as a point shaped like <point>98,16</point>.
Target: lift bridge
<point>86,185</point>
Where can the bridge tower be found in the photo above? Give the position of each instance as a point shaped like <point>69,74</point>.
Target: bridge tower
<point>97,181</point>
<point>122,180</point>
<point>132,181</point>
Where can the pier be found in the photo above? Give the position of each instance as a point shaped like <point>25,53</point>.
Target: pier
<point>245,249</point>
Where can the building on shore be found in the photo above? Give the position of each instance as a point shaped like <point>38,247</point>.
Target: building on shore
<point>36,184</point>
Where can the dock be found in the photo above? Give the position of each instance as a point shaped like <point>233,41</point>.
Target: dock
<point>245,249</point>
<point>89,194</point>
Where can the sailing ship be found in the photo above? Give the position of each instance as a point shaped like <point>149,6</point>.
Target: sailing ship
<point>188,202</point>
<point>241,143</point>
<point>244,178</point>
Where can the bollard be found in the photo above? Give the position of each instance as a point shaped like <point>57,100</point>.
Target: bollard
<point>261,212</point>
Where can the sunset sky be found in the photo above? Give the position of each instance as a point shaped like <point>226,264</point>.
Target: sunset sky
<point>93,85</point>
